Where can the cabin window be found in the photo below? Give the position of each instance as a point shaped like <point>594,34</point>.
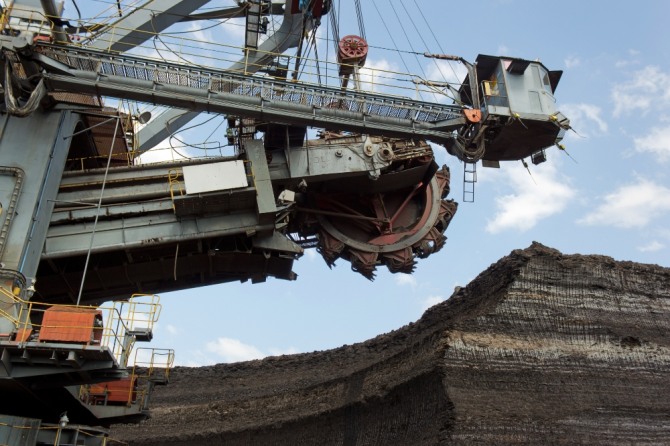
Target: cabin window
<point>546,82</point>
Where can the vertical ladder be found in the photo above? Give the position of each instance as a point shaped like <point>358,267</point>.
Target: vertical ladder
<point>247,129</point>
<point>469,180</point>
<point>254,22</point>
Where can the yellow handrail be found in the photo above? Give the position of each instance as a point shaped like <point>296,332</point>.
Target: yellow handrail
<point>123,320</point>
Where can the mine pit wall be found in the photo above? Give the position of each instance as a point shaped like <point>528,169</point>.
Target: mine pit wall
<point>577,351</point>
<point>541,348</point>
<point>410,414</point>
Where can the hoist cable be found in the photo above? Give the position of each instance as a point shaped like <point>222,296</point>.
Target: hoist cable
<point>359,16</point>
<point>328,49</point>
<point>423,72</point>
<point>316,58</point>
<point>374,3</point>
<point>74,2</point>
<point>335,27</point>
<point>434,37</point>
<point>425,44</point>
<point>311,42</point>
<point>437,65</point>
<point>97,213</point>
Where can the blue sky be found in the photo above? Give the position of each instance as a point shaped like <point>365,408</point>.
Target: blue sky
<point>612,199</point>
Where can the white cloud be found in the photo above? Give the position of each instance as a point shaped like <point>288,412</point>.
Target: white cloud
<point>645,91</point>
<point>533,198</point>
<point>440,71</point>
<point>405,279</point>
<point>631,206</point>
<point>172,329</point>
<point>446,71</point>
<point>197,359</point>
<point>586,119</point>
<point>651,246</point>
<point>378,76</point>
<point>572,61</point>
<point>233,350</point>
<point>430,301</point>
<point>656,141</point>
<point>632,59</point>
<point>235,28</point>
<point>162,152</point>
<point>197,34</point>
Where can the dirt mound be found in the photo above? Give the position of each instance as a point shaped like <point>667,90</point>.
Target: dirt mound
<point>541,348</point>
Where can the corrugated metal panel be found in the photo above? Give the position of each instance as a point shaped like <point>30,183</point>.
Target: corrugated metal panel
<point>122,391</point>
<point>66,324</point>
<point>17,431</point>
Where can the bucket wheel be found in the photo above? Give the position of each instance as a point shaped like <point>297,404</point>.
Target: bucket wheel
<point>391,228</point>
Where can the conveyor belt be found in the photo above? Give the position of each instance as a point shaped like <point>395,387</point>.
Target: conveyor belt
<point>220,91</point>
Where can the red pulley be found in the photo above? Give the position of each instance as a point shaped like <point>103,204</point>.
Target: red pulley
<point>353,50</point>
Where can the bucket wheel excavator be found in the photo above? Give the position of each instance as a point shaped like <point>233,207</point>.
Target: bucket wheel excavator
<point>84,219</point>
<point>391,221</point>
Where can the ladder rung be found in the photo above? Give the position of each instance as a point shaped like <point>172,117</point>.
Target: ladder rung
<point>469,180</point>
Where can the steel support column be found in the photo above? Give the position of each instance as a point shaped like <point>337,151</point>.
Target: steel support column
<point>38,145</point>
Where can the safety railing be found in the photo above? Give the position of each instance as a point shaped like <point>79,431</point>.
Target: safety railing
<point>17,18</point>
<point>128,321</point>
<point>89,162</point>
<point>150,367</point>
<point>104,19</point>
<point>154,364</point>
<point>158,155</point>
<point>81,324</point>
<point>220,81</point>
<point>53,434</point>
<point>195,52</point>
<point>192,50</point>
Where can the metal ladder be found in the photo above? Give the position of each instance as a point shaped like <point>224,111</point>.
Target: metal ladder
<point>469,180</point>
<point>254,26</point>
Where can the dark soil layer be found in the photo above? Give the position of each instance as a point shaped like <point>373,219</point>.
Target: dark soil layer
<point>541,348</point>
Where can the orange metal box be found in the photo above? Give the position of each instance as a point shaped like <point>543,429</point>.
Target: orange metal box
<point>69,324</point>
<point>122,391</point>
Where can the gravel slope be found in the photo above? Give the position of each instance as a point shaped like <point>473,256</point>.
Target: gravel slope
<point>541,348</point>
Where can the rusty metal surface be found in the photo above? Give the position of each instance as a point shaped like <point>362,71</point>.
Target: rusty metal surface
<point>390,228</point>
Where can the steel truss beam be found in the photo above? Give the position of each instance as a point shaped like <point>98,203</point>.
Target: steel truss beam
<point>221,91</point>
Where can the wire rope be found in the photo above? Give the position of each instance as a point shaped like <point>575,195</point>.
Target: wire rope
<point>335,27</point>
<point>402,27</point>
<point>97,213</point>
<point>201,146</point>
<point>190,31</point>
<point>425,44</point>
<point>359,16</point>
<point>374,3</point>
<point>448,92</point>
<point>435,37</point>
<point>74,2</point>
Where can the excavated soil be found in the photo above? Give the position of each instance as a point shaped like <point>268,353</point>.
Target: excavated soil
<point>541,348</point>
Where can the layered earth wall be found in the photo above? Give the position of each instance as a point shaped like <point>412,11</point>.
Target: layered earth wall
<point>541,348</point>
